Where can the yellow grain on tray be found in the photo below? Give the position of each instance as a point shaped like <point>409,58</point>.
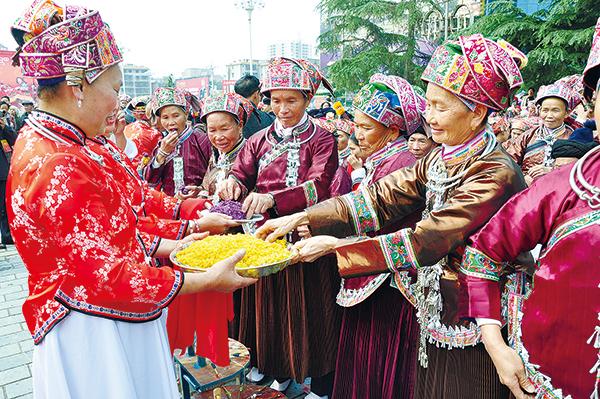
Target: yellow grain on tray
<point>205,253</point>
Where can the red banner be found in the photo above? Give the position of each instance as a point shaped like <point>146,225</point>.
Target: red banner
<point>12,82</point>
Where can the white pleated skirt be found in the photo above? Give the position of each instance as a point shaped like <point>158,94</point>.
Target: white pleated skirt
<point>87,357</point>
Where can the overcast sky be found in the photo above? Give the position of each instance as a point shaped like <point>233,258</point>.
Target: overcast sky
<point>171,35</point>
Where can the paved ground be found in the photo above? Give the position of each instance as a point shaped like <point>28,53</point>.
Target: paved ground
<point>15,342</point>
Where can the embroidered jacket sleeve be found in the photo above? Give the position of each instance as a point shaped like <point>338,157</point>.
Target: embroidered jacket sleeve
<point>518,227</point>
<point>153,172</point>
<point>323,165</point>
<point>94,231</point>
<point>204,149</point>
<point>487,185</point>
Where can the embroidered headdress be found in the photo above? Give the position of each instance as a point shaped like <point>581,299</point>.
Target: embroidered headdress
<point>293,74</point>
<point>591,74</point>
<point>391,101</point>
<point>165,96</point>
<point>478,70</point>
<point>560,90</point>
<point>69,43</point>
<point>232,103</point>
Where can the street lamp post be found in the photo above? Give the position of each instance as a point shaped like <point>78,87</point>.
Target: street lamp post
<point>249,6</point>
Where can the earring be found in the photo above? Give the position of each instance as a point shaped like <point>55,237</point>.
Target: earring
<point>79,102</point>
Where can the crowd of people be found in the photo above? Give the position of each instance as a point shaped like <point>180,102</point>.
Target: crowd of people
<point>444,241</point>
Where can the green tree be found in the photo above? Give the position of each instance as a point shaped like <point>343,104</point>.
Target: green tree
<point>369,36</point>
<point>556,40</point>
<point>170,82</point>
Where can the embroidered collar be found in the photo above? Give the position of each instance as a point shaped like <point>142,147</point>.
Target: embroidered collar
<point>57,126</point>
<point>344,154</point>
<point>228,158</point>
<point>550,135</point>
<point>294,131</point>
<point>392,148</point>
<point>457,155</point>
<point>374,160</point>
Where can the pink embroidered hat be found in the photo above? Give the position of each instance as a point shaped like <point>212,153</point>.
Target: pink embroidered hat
<point>392,101</point>
<point>69,43</point>
<point>231,103</point>
<point>293,74</point>
<point>477,70</point>
<point>591,74</point>
<point>562,90</point>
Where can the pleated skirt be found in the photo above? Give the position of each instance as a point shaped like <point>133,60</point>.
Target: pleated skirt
<point>459,374</point>
<point>378,348</point>
<point>294,319</point>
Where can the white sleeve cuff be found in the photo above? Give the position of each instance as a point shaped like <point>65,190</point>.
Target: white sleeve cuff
<point>358,174</point>
<point>155,164</point>
<point>482,321</point>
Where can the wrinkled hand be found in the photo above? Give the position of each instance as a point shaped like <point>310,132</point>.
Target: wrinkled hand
<point>169,142</point>
<point>190,192</point>
<point>190,238</point>
<point>313,248</point>
<point>120,123</point>
<point>538,171</point>
<point>355,162</point>
<point>508,364</point>
<point>257,203</point>
<point>215,223</point>
<point>304,232</point>
<point>223,277</point>
<point>230,190</point>
<point>274,229</point>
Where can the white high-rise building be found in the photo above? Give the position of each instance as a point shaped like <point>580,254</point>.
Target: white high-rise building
<point>137,80</point>
<point>293,49</point>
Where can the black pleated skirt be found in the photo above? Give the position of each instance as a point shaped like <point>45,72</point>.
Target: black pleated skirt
<point>459,374</point>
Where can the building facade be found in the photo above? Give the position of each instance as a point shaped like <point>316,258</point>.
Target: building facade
<point>137,80</point>
<point>239,68</point>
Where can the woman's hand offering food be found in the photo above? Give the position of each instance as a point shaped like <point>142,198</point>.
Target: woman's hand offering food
<point>229,190</point>
<point>257,203</point>
<point>278,228</point>
<point>314,248</point>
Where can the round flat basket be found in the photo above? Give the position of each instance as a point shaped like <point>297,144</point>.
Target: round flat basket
<point>254,271</point>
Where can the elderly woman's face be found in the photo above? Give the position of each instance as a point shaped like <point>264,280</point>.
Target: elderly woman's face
<point>553,112</point>
<point>173,118</point>
<point>289,106</point>
<point>223,130</point>
<point>100,99</point>
<point>372,136</point>
<point>451,122</point>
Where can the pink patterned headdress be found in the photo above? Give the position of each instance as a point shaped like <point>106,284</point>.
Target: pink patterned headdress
<point>560,90</point>
<point>232,103</point>
<point>478,70</point>
<point>293,74</point>
<point>392,101</point>
<point>591,74</point>
<point>70,43</point>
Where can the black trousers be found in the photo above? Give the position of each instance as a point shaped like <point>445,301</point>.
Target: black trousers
<point>4,229</point>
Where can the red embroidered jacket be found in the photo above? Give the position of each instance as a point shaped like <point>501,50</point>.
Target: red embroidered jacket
<point>81,221</point>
